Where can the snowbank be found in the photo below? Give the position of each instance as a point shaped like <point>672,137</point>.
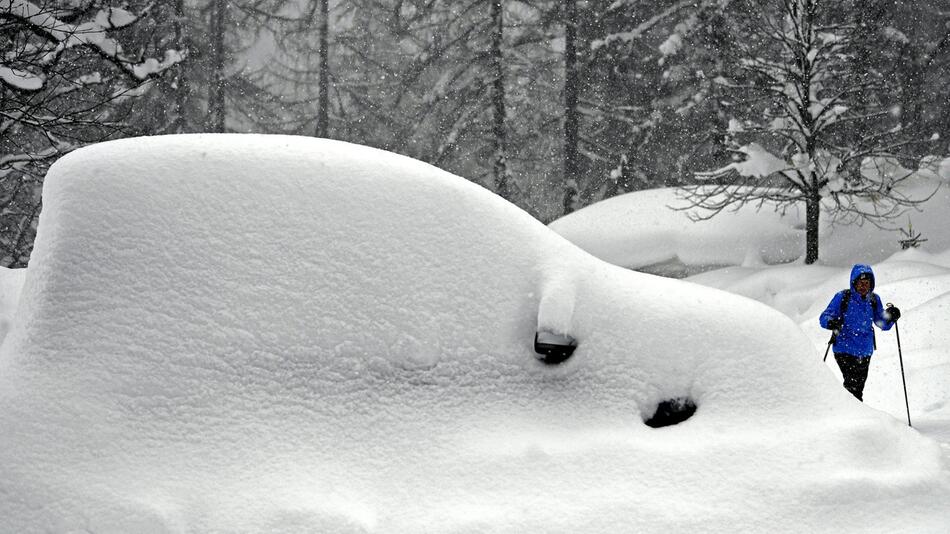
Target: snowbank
<point>916,281</point>
<point>11,282</point>
<point>648,230</point>
<point>225,333</point>
<point>643,231</point>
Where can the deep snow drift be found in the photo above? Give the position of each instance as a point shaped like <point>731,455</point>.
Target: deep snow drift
<point>916,281</point>
<point>246,333</point>
<point>640,230</point>
<point>651,230</point>
<point>11,283</point>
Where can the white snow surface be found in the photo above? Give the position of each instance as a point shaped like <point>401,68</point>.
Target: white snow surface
<point>20,79</point>
<point>643,230</point>
<point>650,230</point>
<point>917,281</point>
<point>11,282</point>
<point>237,333</point>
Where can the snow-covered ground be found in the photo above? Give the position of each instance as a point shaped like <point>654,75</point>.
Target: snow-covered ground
<point>11,282</point>
<point>269,334</point>
<point>916,281</point>
<point>651,231</point>
<point>758,255</point>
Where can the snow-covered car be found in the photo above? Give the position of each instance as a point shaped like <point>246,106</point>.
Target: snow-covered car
<point>240,333</point>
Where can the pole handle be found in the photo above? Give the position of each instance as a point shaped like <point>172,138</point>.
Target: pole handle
<point>830,343</point>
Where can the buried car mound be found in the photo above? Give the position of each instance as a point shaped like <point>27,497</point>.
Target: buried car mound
<point>238,333</point>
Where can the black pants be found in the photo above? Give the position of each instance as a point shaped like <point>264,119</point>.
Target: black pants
<point>855,373</point>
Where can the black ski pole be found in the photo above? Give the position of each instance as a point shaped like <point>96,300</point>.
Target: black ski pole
<point>903,380</point>
<point>830,343</point>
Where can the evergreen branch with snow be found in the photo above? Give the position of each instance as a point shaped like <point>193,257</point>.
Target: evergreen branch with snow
<point>840,140</point>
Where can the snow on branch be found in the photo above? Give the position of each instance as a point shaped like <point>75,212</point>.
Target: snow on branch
<point>42,22</point>
<point>759,163</point>
<point>21,79</point>
<point>58,36</point>
<point>643,27</point>
<point>11,160</point>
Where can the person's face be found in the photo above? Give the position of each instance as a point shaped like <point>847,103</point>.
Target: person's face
<point>863,286</point>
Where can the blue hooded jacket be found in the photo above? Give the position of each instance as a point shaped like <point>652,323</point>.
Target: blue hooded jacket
<point>857,335</point>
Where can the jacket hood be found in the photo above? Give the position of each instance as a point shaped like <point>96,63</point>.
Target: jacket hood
<point>858,270</point>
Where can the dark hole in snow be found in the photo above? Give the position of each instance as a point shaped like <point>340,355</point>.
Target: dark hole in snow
<point>672,412</point>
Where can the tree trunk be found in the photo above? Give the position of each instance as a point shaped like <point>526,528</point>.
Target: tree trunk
<point>806,64</point>
<point>499,133</point>
<point>181,80</point>
<point>912,96</point>
<point>323,105</point>
<point>570,105</point>
<point>216,101</point>
<point>812,215</point>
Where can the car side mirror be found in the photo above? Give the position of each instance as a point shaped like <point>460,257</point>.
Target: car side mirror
<point>553,348</point>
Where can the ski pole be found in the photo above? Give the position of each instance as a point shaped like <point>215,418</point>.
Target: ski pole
<point>830,343</point>
<point>903,380</point>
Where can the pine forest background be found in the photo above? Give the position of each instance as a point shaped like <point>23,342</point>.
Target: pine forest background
<point>552,104</point>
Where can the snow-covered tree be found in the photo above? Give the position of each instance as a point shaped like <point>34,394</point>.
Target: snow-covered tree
<point>812,124</point>
<point>218,24</point>
<point>430,79</point>
<point>233,63</point>
<point>229,81</point>
<point>644,72</point>
<point>65,69</point>
<point>499,126</point>
<point>323,97</point>
<point>913,45</point>
<point>571,90</point>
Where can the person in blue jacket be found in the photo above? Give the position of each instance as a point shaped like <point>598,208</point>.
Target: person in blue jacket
<point>851,314</point>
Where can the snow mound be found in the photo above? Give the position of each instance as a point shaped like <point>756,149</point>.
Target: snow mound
<point>649,231</point>
<point>11,282</point>
<point>920,286</point>
<point>237,333</point>
<point>918,282</point>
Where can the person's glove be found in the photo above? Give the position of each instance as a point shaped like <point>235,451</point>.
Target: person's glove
<point>893,314</point>
<point>835,324</point>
